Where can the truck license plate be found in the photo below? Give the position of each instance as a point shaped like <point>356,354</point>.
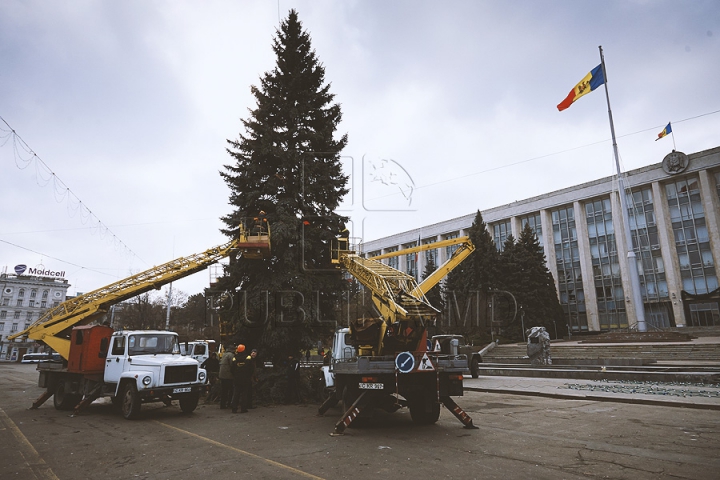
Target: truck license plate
<point>371,386</point>
<point>182,390</point>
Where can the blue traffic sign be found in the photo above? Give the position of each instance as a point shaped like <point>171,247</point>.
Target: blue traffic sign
<point>405,362</point>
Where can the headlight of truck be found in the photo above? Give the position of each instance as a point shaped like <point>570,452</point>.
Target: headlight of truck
<point>147,380</point>
<point>201,376</point>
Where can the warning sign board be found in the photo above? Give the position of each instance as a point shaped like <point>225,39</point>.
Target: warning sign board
<point>425,364</point>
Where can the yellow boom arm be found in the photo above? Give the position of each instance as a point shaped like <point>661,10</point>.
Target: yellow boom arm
<point>53,326</point>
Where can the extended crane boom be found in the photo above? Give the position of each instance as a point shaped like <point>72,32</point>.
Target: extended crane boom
<point>53,327</point>
<point>396,295</point>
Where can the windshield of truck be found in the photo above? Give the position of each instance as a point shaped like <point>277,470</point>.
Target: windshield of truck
<point>152,343</point>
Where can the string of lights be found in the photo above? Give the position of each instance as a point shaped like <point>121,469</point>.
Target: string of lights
<point>25,157</point>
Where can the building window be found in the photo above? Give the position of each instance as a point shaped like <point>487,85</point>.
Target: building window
<point>21,292</point>
<point>28,316</point>
<point>704,314</point>
<point>56,303</point>
<point>606,268</point>
<point>31,303</point>
<point>501,231</point>
<point>651,269</point>
<point>692,242</point>
<point>572,295</point>
<point>411,261</point>
<point>16,314</point>
<point>33,293</point>
<point>13,328</point>
<point>3,313</point>
<point>19,303</point>
<point>430,255</point>
<point>45,294</point>
<point>2,327</point>
<point>393,262</point>
<point>450,249</point>
<point>43,304</point>
<point>6,302</point>
<point>535,224</point>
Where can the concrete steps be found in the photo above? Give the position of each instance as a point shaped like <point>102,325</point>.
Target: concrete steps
<point>693,361</point>
<point>647,353</point>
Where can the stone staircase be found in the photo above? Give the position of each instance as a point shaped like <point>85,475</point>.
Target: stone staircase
<point>646,353</point>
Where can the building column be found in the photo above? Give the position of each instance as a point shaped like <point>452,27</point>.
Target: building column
<point>622,250</point>
<point>666,237</point>
<point>515,227</point>
<point>588,279</point>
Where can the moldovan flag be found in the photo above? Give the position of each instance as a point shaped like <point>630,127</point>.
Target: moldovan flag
<point>664,133</point>
<point>591,81</point>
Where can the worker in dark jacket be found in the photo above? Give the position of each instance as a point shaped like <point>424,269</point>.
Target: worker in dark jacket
<point>292,395</point>
<point>242,379</point>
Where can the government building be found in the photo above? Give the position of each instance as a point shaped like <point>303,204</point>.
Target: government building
<point>673,212</point>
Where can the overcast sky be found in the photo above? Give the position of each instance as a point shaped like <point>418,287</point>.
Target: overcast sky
<point>449,107</point>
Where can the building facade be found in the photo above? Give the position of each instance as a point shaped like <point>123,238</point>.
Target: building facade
<point>23,298</point>
<point>673,212</point>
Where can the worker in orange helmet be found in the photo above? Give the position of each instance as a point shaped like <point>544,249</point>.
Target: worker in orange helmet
<point>240,371</point>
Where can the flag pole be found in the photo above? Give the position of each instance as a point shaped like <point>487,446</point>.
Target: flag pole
<point>673,135</point>
<point>632,262</point>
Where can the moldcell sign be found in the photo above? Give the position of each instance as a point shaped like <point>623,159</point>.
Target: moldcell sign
<point>39,271</point>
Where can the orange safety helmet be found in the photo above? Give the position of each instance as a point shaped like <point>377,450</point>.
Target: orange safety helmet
<point>240,348</point>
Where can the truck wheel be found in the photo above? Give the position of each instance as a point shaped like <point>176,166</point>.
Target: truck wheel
<point>474,364</point>
<point>189,402</point>
<point>424,411</point>
<point>63,400</point>
<point>130,405</point>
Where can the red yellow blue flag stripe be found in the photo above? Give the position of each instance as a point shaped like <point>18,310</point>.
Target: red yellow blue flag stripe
<point>664,133</point>
<point>590,82</point>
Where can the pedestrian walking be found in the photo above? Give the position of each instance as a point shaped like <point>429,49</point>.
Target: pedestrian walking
<point>226,377</point>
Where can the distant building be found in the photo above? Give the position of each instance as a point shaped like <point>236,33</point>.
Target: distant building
<point>23,298</point>
<point>674,212</point>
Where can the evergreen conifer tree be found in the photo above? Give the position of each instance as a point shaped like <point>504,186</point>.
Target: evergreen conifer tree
<point>535,287</point>
<point>287,164</point>
<point>526,276</point>
<point>468,285</point>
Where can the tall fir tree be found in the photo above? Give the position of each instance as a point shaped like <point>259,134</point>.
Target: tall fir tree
<point>536,290</point>
<point>287,164</point>
<point>467,287</point>
<point>526,276</point>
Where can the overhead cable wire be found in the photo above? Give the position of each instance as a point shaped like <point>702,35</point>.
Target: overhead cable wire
<point>26,156</point>
<point>55,258</point>
<point>540,157</point>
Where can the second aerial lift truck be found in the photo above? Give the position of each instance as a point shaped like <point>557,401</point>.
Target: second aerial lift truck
<point>386,362</point>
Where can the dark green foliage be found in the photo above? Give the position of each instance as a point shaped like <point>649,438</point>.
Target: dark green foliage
<point>520,270</point>
<point>434,296</point>
<point>287,163</point>
<point>525,274</point>
<point>466,288</point>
